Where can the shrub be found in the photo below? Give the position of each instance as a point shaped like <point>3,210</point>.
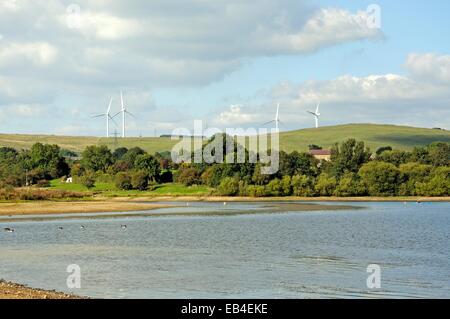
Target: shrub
<point>325,185</point>
<point>88,180</point>
<point>166,176</point>
<point>188,176</point>
<point>274,188</point>
<point>43,183</point>
<point>381,179</point>
<point>302,185</point>
<point>229,186</point>
<point>139,180</point>
<point>123,181</point>
<point>349,185</point>
<point>256,191</point>
<point>286,186</point>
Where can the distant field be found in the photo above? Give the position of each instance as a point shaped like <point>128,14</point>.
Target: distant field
<point>375,136</point>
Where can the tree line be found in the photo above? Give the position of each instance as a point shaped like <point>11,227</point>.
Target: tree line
<point>353,170</point>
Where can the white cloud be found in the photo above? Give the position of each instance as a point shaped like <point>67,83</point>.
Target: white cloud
<point>36,53</point>
<point>235,116</point>
<point>429,66</point>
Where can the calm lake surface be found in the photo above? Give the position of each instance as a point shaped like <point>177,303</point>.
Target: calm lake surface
<point>282,255</point>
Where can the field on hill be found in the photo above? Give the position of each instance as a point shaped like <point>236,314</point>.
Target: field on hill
<point>375,136</point>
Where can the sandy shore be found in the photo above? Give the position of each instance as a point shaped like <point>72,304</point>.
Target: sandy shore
<point>48,207</point>
<point>10,290</point>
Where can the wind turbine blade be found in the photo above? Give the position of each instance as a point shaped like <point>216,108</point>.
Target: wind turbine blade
<point>117,114</point>
<point>317,109</point>
<point>311,113</point>
<point>99,115</point>
<point>268,122</point>
<point>130,113</point>
<point>121,100</point>
<point>112,119</point>
<point>109,106</point>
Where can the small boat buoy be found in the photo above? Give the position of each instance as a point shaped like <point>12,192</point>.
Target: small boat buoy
<point>60,228</point>
<point>123,226</point>
<point>82,227</point>
<point>224,203</point>
<point>8,230</point>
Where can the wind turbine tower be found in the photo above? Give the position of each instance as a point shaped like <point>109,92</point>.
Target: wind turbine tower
<point>123,110</point>
<point>277,119</point>
<point>108,116</point>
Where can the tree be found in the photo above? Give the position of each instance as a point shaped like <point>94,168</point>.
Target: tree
<point>119,153</point>
<point>96,158</point>
<point>380,179</point>
<point>411,174</point>
<point>297,163</point>
<point>439,154</point>
<point>438,185</point>
<point>395,157</point>
<point>132,154</point>
<point>349,157</point>
<point>47,158</point>
<point>149,164</point>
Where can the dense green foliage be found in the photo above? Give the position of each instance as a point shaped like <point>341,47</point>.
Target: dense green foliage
<point>352,171</point>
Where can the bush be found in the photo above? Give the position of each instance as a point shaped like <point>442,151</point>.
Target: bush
<point>88,180</point>
<point>166,177</point>
<point>350,185</point>
<point>43,183</point>
<point>229,186</point>
<point>302,185</point>
<point>139,180</point>
<point>325,185</point>
<point>188,176</point>
<point>380,179</point>
<point>123,181</point>
<point>256,191</point>
<point>274,188</point>
<point>286,186</point>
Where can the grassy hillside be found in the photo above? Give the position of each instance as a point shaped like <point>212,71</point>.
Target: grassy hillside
<point>400,137</point>
<point>375,136</point>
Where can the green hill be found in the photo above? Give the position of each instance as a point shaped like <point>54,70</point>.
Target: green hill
<point>375,136</point>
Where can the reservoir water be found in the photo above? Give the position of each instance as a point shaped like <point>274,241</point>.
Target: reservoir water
<point>291,254</point>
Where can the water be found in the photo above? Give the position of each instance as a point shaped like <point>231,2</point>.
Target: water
<point>287,255</point>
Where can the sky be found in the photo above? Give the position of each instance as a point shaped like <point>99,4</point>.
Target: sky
<point>225,62</point>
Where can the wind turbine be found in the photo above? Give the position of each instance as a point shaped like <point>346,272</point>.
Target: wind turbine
<point>108,116</point>
<point>123,110</point>
<point>277,119</point>
<point>316,115</point>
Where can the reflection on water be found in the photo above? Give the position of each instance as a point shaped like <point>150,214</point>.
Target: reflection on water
<point>291,255</point>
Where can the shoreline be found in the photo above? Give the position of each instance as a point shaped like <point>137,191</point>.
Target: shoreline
<point>10,290</point>
<point>73,207</point>
<point>271,199</point>
<point>145,203</point>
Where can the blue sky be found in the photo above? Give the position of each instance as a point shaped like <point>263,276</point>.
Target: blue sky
<point>228,63</point>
